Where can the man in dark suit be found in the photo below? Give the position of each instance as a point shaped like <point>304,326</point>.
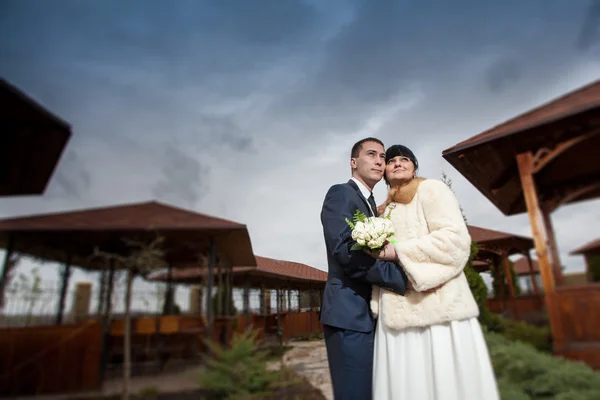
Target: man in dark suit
<point>348,323</point>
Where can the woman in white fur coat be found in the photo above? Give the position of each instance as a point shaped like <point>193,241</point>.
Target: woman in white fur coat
<point>429,344</point>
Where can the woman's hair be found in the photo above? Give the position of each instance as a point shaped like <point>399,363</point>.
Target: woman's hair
<point>403,151</point>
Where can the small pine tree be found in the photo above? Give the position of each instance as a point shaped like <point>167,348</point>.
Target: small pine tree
<point>241,370</point>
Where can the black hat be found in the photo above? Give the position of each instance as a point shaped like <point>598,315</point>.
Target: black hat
<point>399,150</point>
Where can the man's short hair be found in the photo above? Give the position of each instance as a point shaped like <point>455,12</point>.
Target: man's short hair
<point>358,146</point>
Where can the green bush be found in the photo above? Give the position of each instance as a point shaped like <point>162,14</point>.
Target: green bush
<point>240,372</point>
<point>500,283</point>
<point>594,265</point>
<point>525,373</point>
<point>538,337</point>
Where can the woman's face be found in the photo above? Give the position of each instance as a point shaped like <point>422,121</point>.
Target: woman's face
<point>399,169</point>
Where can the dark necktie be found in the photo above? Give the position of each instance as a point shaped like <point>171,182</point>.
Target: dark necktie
<point>372,203</point>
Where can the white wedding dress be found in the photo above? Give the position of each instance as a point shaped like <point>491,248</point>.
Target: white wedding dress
<point>435,361</point>
<point>440,362</point>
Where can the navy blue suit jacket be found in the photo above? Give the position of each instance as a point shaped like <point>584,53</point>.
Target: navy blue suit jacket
<point>351,273</point>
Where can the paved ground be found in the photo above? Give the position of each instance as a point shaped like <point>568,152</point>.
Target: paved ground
<point>310,360</point>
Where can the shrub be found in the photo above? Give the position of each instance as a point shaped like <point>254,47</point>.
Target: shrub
<point>594,265</point>
<point>525,373</point>
<point>500,283</point>
<point>240,372</point>
<point>538,337</point>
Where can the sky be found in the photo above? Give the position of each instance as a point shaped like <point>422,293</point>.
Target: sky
<point>248,110</point>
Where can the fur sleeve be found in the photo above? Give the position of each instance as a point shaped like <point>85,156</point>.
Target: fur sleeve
<point>375,300</point>
<point>432,260</point>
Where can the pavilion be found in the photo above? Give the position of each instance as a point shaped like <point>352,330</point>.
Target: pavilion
<point>533,164</point>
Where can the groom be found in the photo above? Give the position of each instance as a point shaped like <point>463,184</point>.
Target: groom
<point>349,325</point>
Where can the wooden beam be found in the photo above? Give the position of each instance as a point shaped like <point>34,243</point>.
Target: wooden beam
<point>556,264</point>
<point>525,163</point>
<point>545,155</point>
<point>532,274</point>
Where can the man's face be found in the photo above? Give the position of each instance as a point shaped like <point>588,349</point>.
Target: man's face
<point>369,165</point>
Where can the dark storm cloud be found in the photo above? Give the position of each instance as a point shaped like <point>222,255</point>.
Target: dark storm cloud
<point>239,84</point>
<point>503,74</point>
<point>184,180</point>
<point>589,36</point>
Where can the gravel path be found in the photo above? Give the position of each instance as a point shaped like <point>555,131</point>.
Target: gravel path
<point>309,359</point>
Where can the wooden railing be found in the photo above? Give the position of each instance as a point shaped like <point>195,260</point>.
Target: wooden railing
<point>50,359</point>
<point>292,324</point>
<point>526,305</point>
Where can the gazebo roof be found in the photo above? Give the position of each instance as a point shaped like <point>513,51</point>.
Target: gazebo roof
<point>53,236</point>
<point>269,272</point>
<point>592,247</point>
<point>521,266</point>
<point>566,131</point>
<point>500,240</point>
<point>32,143</point>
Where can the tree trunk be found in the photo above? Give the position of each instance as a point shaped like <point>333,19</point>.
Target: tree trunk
<point>127,336</point>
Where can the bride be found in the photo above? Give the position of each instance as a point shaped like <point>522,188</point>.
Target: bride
<point>428,344</point>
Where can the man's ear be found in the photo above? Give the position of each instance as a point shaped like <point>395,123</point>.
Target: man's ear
<point>353,163</point>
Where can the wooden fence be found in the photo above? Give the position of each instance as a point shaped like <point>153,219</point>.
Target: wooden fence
<point>292,324</point>
<point>526,305</point>
<point>578,336</point>
<point>50,359</point>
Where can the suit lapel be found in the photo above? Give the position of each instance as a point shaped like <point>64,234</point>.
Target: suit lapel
<point>360,195</point>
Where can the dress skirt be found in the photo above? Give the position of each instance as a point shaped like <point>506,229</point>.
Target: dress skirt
<point>440,362</point>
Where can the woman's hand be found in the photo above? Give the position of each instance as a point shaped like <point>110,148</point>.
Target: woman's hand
<point>387,253</point>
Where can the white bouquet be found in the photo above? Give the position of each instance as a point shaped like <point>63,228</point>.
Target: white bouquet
<point>371,233</point>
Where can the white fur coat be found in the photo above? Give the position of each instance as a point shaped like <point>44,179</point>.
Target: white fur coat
<point>433,248</point>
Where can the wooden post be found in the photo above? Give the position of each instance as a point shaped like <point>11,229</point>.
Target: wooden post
<point>525,164</point>
<point>556,264</point>
<point>261,300</point>
<point>246,304</point>
<point>65,275</point>
<point>532,274</point>
<point>101,292</point>
<point>219,312</point>
<point>511,287</point>
<point>209,286</point>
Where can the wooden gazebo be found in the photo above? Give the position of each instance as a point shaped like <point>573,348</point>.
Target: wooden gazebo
<point>33,140</point>
<point>495,248</point>
<point>270,274</point>
<point>535,163</point>
<point>71,238</point>
<point>591,253</point>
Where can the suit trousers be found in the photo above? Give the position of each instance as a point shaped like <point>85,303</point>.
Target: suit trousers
<point>350,355</point>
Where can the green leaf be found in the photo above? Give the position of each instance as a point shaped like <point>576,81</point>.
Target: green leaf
<point>350,224</point>
<point>359,216</point>
<point>356,246</point>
